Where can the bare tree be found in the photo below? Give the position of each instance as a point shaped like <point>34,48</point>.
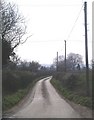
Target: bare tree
<point>13,25</point>
<point>92,64</point>
<point>12,31</point>
<point>60,63</point>
<point>73,61</point>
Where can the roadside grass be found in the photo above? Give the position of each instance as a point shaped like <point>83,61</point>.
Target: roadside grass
<point>70,95</point>
<point>10,100</point>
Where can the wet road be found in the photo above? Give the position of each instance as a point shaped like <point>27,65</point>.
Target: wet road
<point>45,102</point>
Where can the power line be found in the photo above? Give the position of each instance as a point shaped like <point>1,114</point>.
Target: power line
<point>55,5</point>
<point>49,41</point>
<point>76,40</point>
<point>75,23</point>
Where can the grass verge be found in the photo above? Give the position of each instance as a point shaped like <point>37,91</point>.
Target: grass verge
<point>84,101</point>
<point>10,100</point>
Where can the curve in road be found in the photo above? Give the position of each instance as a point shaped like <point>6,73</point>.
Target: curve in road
<point>46,103</point>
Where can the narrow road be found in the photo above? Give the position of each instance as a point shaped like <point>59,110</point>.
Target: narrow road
<point>45,102</point>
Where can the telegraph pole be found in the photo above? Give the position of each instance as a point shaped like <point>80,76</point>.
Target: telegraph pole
<point>57,63</point>
<point>65,55</point>
<point>86,47</point>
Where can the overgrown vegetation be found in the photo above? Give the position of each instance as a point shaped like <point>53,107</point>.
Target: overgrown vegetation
<point>15,80</point>
<point>16,84</point>
<point>11,100</point>
<point>73,87</point>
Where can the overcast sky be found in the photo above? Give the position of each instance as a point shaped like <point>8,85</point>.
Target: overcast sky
<point>50,22</point>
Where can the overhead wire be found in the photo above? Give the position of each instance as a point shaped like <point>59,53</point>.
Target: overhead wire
<point>54,5</point>
<point>68,34</point>
<point>70,31</point>
<point>75,22</point>
<point>76,40</point>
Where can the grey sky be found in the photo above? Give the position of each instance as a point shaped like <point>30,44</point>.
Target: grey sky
<point>50,23</point>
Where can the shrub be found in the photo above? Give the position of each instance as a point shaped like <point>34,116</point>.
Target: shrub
<point>71,82</point>
<point>10,82</point>
<point>14,80</point>
<point>85,101</point>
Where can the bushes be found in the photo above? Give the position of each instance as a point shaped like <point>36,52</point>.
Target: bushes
<point>10,82</point>
<point>15,80</point>
<point>74,81</point>
<point>16,84</point>
<point>26,78</point>
<point>69,81</point>
<point>85,101</point>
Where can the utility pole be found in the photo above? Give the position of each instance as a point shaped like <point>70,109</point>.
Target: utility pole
<point>0,59</point>
<point>86,48</point>
<point>65,55</point>
<point>57,63</point>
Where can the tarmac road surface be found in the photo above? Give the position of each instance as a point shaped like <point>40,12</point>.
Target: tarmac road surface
<point>45,102</point>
